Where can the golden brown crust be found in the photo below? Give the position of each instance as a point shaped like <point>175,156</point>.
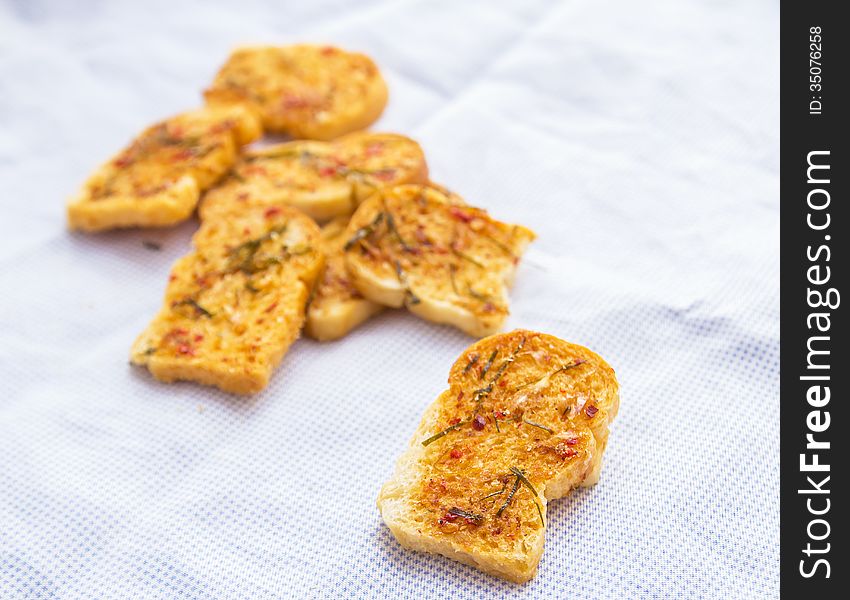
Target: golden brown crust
<point>336,306</point>
<point>524,421</point>
<point>420,247</point>
<point>158,178</point>
<point>323,179</point>
<point>306,91</point>
<point>234,306</point>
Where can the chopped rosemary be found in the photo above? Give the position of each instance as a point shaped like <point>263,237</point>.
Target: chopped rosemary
<point>445,431</point>
<point>477,295</point>
<point>521,477</point>
<point>540,512</point>
<point>490,495</point>
<point>489,363</point>
<point>471,363</point>
<point>498,244</point>
<point>149,351</point>
<point>244,254</point>
<point>394,230</point>
<point>496,421</point>
<point>402,277</point>
<point>509,498</point>
<point>194,304</point>
<point>467,257</point>
<point>473,517</point>
<point>452,269</point>
<point>555,372</point>
<point>364,232</point>
<point>567,410</point>
<point>538,425</point>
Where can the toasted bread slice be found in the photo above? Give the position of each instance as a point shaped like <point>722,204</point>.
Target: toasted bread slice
<point>306,91</point>
<point>323,179</point>
<point>234,306</point>
<point>157,180</point>
<point>336,307</point>
<point>418,246</point>
<point>524,421</point>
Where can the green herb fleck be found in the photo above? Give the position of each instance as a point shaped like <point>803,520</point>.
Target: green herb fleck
<point>445,431</point>
<point>509,498</point>
<point>521,477</point>
<point>473,517</point>
<point>488,364</point>
<point>364,232</point>
<point>538,425</point>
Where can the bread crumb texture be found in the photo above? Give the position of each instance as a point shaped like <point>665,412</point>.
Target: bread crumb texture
<point>524,421</point>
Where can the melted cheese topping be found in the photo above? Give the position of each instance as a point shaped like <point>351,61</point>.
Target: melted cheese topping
<point>312,92</point>
<point>324,179</point>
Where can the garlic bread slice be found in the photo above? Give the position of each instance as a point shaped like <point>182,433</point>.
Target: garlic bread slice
<point>323,179</point>
<point>158,179</point>
<point>234,306</point>
<point>420,247</point>
<point>524,421</point>
<point>305,91</point>
<point>336,306</point>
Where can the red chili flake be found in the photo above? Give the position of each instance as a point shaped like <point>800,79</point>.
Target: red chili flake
<point>374,149</point>
<point>293,101</point>
<point>185,349</point>
<point>420,236</point>
<point>328,50</point>
<point>123,161</point>
<point>564,452</point>
<point>447,518</point>
<point>499,414</point>
<point>327,171</point>
<point>246,231</point>
<point>460,395</point>
<point>198,337</point>
<point>271,307</point>
<point>460,214</point>
<point>503,383</point>
<point>225,125</point>
<point>271,212</point>
<point>479,423</point>
<point>571,441</point>
<point>590,410</point>
<point>456,453</point>
<point>179,331</point>
<point>454,421</point>
<point>184,154</point>
<point>385,175</point>
<point>172,277</point>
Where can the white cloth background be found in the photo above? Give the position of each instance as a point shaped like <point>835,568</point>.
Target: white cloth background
<point>639,139</point>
